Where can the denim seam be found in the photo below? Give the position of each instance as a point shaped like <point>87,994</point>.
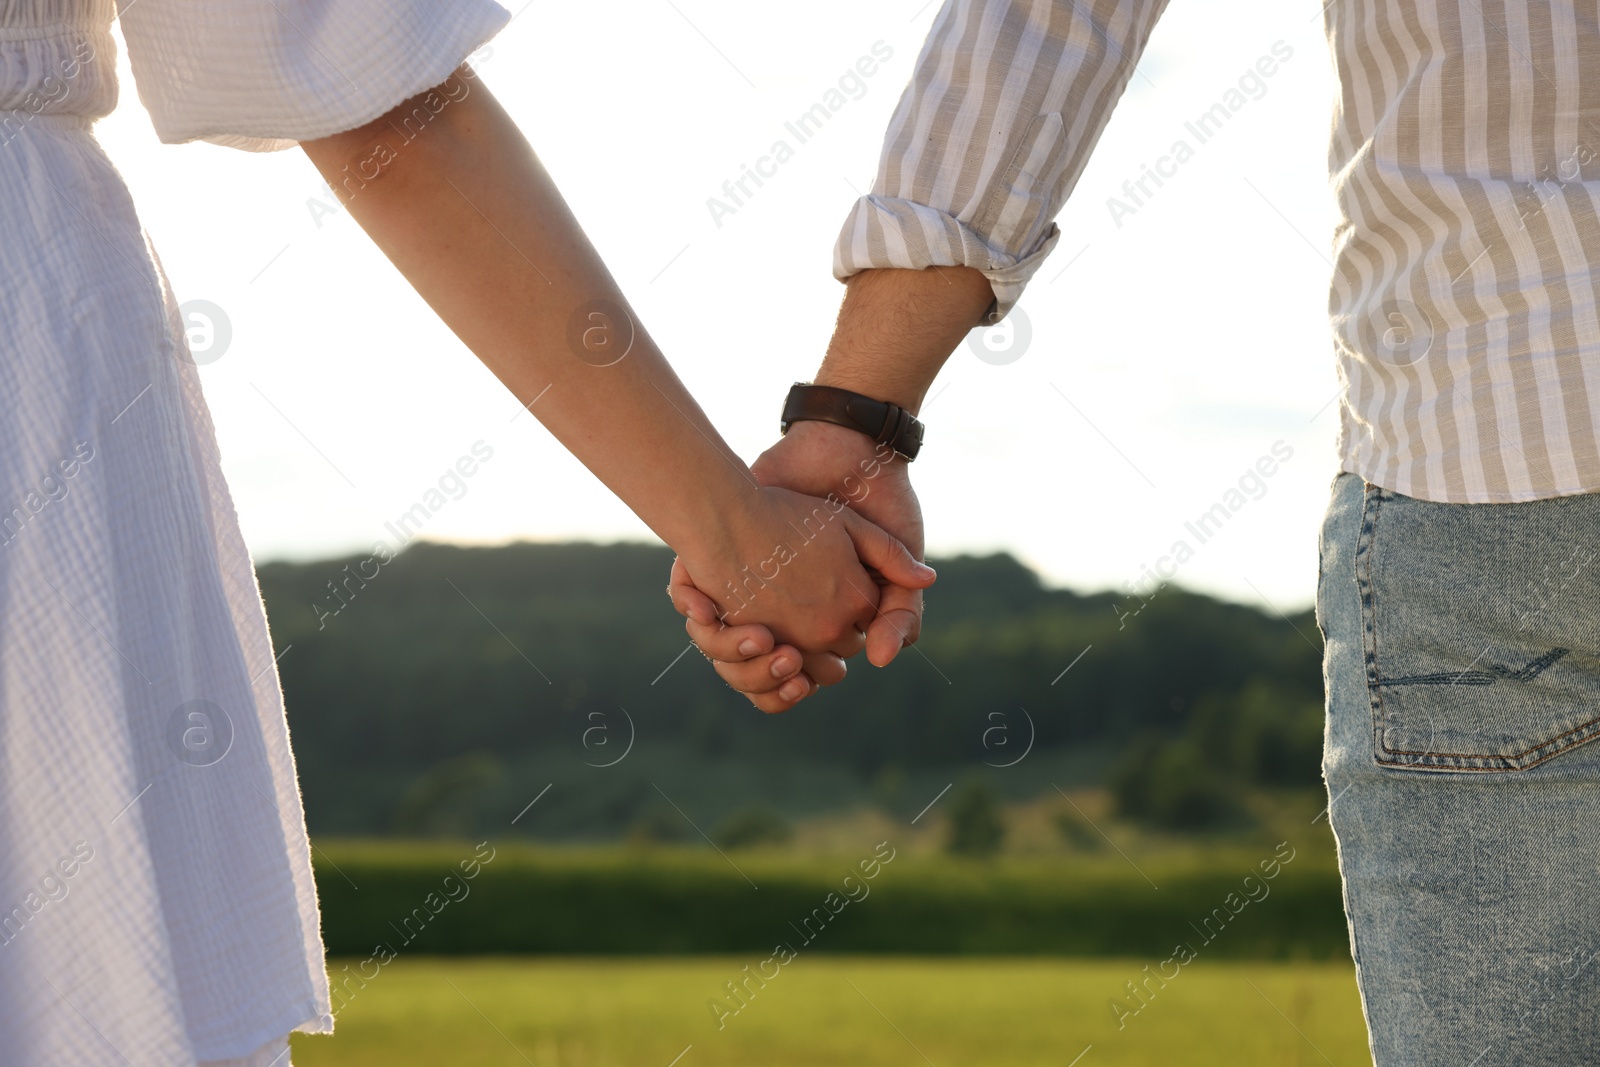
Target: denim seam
<point>1489,763</point>
<point>1372,500</point>
<point>1588,729</point>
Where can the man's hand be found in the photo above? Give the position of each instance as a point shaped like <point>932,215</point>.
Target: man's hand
<point>808,569</point>
<point>818,459</point>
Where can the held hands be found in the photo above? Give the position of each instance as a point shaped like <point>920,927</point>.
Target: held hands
<point>776,640</point>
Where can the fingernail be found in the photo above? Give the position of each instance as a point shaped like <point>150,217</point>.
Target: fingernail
<point>794,689</point>
<point>749,647</point>
<point>925,571</point>
<point>783,666</point>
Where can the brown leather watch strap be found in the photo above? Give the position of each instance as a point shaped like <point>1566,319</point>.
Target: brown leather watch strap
<point>886,423</point>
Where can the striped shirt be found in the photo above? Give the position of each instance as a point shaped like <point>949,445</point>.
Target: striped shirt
<point>1465,160</point>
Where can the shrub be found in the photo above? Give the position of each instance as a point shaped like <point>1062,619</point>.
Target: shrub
<point>756,826</point>
<point>976,827</point>
<point>1170,784</point>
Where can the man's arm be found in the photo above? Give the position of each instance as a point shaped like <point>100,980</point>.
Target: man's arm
<point>1004,108</point>
<point>896,328</point>
<point>1008,99</point>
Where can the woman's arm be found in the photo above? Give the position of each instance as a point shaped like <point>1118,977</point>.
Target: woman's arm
<point>449,189</point>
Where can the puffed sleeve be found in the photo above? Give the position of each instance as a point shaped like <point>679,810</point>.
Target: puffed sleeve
<point>262,75</point>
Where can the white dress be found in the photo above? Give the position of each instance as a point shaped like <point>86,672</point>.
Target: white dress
<point>156,900</point>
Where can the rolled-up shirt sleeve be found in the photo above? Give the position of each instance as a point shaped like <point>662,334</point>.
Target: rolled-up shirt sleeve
<point>1007,100</point>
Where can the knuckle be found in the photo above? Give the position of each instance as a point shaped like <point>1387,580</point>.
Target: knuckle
<point>842,632</point>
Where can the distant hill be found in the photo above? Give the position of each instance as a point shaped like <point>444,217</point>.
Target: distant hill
<point>440,691</point>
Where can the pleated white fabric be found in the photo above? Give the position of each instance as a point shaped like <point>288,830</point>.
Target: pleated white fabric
<point>156,899</point>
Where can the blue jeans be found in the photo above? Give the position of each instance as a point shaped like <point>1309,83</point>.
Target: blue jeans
<point>1463,678</point>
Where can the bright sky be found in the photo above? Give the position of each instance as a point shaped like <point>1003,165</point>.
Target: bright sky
<point>1170,348</point>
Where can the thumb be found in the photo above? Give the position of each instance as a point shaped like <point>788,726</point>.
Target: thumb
<point>899,623</point>
<point>880,550</point>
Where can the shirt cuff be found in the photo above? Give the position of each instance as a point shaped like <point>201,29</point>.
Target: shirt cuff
<point>888,232</point>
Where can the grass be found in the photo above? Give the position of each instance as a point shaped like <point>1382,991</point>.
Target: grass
<point>676,901</point>
<point>837,1010</point>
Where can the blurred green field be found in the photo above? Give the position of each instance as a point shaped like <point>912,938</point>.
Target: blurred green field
<point>606,900</point>
<point>825,1010</point>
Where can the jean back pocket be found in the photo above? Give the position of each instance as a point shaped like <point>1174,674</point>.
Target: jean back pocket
<point>1480,629</point>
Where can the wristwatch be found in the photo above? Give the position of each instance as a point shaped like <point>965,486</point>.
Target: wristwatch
<point>888,424</point>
